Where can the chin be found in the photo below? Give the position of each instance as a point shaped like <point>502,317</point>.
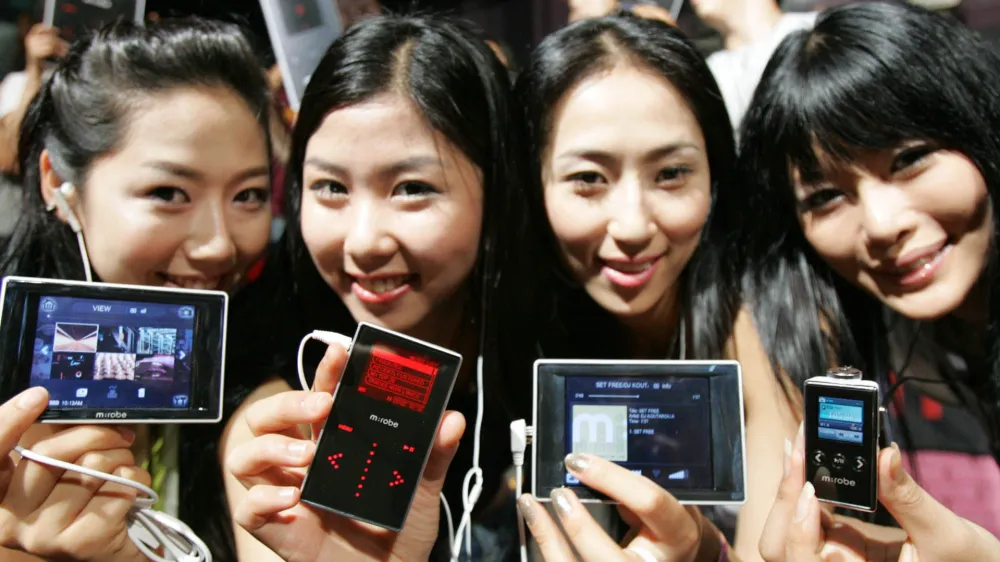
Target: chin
<point>622,308</point>
<point>926,305</point>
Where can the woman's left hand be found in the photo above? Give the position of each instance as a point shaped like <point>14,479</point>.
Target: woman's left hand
<point>663,529</point>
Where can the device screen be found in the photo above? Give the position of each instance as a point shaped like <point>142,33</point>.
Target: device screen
<point>841,419</point>
<point>655,426</point>
<point>75,17</point>
<point>378,436</point>
<point>300,15</point>
<point>95,353</point>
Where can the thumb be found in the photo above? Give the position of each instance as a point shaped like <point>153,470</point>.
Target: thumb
<point>422,522</point>
<point>328,374</point>
<point>805,533</point>
<point>921,516</point>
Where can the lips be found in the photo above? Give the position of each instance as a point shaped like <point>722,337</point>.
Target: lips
<point>630,274</point>
<point>916,268</point>
<point>382,289</point>
<point>191,282</point>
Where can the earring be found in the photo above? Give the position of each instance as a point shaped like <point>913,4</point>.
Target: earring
<point>49,207</point>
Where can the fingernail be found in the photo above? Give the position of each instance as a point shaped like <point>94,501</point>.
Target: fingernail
<point>562,502</point>
<point>287,492</point>
<point>896,471</point>
<point>127,434</point>
<point>32,398</point>
<point>577,462</point>
<point>800,439</point>
<point>527,509</point>
<point>298,448</point>
<point>788,457</point>
<point>805,500</point>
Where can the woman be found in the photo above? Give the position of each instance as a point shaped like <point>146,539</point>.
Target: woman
<point>632,194</point>
<point>400,193</point>
<point>872,143</point>
<point>160,134</point>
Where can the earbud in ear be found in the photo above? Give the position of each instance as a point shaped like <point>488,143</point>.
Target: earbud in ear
<point>62,196</point>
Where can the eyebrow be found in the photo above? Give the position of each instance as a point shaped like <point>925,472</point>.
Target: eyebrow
<point>394,169</point>
<point>194,175</point>
<point>603,157</point>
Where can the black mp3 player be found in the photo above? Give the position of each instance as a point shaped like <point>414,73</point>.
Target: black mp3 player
<point>114,353</point>
<point>376,442</point>
<point>842,431</point>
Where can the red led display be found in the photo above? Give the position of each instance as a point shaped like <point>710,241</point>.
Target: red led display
<point>403,380</point>
<point>334,458</point>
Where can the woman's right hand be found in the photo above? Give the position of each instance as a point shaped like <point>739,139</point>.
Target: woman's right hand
<point>273,465</point>
<point>58,514</point>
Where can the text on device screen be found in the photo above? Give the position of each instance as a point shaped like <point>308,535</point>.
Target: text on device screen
<point>400,378</point>
<point>97,353</point>
<point>659,427</point>
<point>841,419</point>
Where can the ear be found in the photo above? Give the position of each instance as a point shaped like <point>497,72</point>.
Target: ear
<point>50,182</point>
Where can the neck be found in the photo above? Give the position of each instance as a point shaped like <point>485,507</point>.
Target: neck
<point>749,22</point>
<point>451,327</point>
<point>652,333</point>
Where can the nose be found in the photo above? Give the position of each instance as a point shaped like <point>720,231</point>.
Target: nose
<point>884,207</point>
<point>369,243</point>
<point>211,246</point>
<point>630,222</point>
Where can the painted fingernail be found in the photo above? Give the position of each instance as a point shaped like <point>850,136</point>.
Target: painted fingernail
<point>788,457</point>
<point>561,499</point>
<point>576,462</point>
<point>32,398</point>
<point>127,434</point>
<point>527,508</point>
<point>287,492</point>
<point>800,439</point>
<point>896,471</point>
<point>805,500</point>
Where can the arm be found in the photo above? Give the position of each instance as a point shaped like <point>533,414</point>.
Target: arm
<point>235,434</point>
<point>771,419</point>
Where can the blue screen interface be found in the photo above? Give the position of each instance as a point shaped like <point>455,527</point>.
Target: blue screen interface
<point>841,419</point>
<point>91,353</point>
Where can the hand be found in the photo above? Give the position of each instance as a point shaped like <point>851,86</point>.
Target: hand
<point>798,530</point>
<point>663,529</point>
<point>587,9</point>
<point>272,467</point>
<point>42,43</point>
<point>652,12</point>
<point>63,515</point>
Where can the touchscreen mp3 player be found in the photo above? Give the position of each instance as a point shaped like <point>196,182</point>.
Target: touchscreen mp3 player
<point>114,353</point>
<point>73,18</point>
<point>386,410</point>
<point>678,423</point>
<point>300,31</point>
<point>842,433</point>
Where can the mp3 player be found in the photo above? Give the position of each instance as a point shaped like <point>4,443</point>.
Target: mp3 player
<point>678,423</point>
<point>114,353</point>
<point>842,432</point>
<point>376,442</point>
<point>74,18</point>
<point>301,31</point>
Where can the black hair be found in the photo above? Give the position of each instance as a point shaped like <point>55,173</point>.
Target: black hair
<point>82,113</point>
<point>868,76</point>
<point>575,325</point>
<point>462,90</point>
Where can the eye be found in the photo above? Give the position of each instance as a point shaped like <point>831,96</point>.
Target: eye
<point>820,199</point>
<point>673,175</point>
<point>909,157</point>
<point>166,194</point>
<point>255,196</point>
<point>588,178</point>
<point>414,189</point>
<point>328,189</point>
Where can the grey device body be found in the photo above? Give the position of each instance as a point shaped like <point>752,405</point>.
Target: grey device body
<point>842,426</point>
<point>299,43</point>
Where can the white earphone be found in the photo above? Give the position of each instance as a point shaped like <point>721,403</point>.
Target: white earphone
<point>62,195</point>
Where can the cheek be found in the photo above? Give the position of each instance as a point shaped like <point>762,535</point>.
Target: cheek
<point>323,231</point>
<point>578,226</point>
<point>681,217</point>
<point>835,244</point>
<point>445,241</point>
<point>129,244</point>
<point>251,234</point>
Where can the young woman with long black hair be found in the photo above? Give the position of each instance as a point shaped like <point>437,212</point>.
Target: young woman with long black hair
<point>870,239</point>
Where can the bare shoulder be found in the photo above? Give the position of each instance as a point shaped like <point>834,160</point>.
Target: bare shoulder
<point>761,383</point>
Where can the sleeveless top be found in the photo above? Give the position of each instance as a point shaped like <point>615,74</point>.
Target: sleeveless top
<point>941,427</point>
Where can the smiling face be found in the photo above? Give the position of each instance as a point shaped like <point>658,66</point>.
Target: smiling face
<point>627,188</point>
<point>910,226</point>
<point>183,200</point>
<point>392,214</point>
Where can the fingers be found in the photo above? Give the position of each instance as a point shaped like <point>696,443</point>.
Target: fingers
<point>285,412</point>
<point>550,539</point>
<point>258,457</point>
<point>583,532</point>
<point>74,490</point>
<point>805,537</point>
<point>772,539</point>
<point>262,503</point>
<point>445,445</point>
<point>659,511</point>
<point>17,415</point>
<point>328,374</point>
